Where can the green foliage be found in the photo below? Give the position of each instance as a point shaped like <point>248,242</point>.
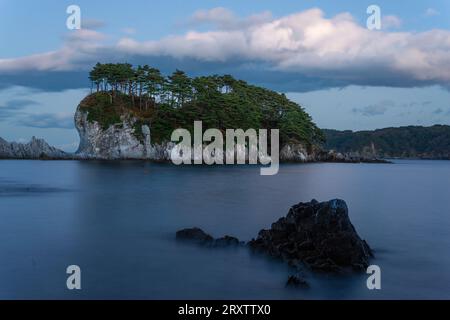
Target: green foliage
<point>101,110</point>
<point>177,101</point>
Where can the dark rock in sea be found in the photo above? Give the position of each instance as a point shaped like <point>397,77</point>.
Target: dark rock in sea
<point>227,241</point>
<point>297,281</point>
<point>198,236</point>
<point>320,235</point>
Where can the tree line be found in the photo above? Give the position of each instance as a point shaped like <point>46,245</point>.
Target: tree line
<point>147,86</point>
<point>176,101</point>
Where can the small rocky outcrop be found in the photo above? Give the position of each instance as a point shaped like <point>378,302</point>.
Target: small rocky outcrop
<point>35,149</point>
<point>318,235</point>
<point>198,236</point>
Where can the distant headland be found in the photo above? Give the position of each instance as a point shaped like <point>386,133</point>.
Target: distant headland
<point>411,142</point>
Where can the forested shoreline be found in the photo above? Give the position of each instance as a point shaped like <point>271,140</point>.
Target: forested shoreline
<point>410,142</point>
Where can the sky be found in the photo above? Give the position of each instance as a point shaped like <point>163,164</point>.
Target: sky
<point>320,53</point>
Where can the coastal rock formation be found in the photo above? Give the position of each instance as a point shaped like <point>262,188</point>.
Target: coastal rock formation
<point>318,235</point>
<point>126,140</point>
<point>116,142</point>
<point>35,149</point>
<point>130,139</point>
<point>198,236</point>
<point>299,153</point>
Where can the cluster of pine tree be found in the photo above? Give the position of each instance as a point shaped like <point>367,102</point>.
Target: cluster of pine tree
<point>176,101</point>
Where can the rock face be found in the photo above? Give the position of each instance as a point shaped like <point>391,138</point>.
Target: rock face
<point>198,236</point>
<point>35,149</point>
<point>119,141</point>
<point>319,235</point>
<point>298,153</point>
<point>122,141</point>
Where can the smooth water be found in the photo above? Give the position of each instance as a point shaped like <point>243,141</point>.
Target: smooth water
<point>117,221</point>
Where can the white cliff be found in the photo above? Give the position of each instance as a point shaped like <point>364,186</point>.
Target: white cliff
<point>119,141</point>
<point>131,140</point>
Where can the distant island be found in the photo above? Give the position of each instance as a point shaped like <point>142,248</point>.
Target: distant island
<point>411,142</point>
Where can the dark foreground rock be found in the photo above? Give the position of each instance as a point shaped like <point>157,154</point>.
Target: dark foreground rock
<point>318,235</point>
<point>198,236</point>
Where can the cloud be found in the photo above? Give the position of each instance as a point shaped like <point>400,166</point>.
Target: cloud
<point>374,109</point>
<point>16,111</point>
<point>307,43</point>
<point>225,19</point>
<point>14,107</point>
<point>219,16</point>
<point>302,51</point>
<point>47,120</point>
<point>80,46</point>
<point>18,104</point>
<point>391,22</point>
<point>430,12</point>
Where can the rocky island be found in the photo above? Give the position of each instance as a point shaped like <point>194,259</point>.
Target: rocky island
<point>318,236</point>
<point>134,111</point>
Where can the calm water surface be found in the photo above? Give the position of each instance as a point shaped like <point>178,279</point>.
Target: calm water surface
<point>117,222</point>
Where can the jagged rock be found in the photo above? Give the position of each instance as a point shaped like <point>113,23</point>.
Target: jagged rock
<point>198,236</point>
<point>227,241</point>
<point>118,141</point>
<point>320,235</point>
<point>35,149</point>
<point>295,153</point>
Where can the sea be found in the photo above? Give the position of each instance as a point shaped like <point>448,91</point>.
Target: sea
<point>116,221</point>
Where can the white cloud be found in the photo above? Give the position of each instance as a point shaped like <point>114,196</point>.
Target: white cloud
<point>79,45</point>
<point>220,16</point>
<point>223,18</point>
<point>307,43</point>
<point>391,22</point>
